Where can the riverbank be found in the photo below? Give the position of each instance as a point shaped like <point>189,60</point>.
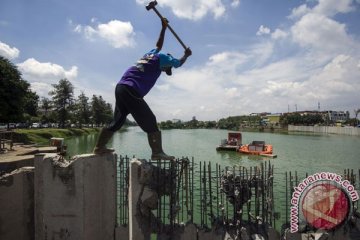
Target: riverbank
<point>43,135</point>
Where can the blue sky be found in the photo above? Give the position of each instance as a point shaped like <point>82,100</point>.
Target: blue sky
<point>248,55</point>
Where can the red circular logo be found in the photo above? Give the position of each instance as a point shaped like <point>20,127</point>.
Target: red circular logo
<point>325,206</point>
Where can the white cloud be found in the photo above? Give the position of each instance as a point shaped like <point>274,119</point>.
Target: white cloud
<point>327,8</point>
<point>299,11</point>
<point>263,31</point>
<point>317,60</point>
<point>278,34</point>
<point>227,60</point>
<point>232,92</point>
<point>337,78</point>
<point>321,33</point>
<point>235,3</point>
<point>42,75</point>
<point>8,52</point>
<point>195,9</point>
<point>42,89</point>
<point>163,87</point>
<point>117,33</point>
<point>333,7</point>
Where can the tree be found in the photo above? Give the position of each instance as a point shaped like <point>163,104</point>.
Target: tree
<point>14,93</point>
<point>83,110</point>
<point>63,99</point>
<point>101,111</point>
<point>45,110</point>
<point>31,103</point>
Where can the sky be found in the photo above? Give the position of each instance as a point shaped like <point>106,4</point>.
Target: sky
<point>249,56</point>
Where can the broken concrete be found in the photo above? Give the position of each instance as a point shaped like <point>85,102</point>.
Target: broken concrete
<point>75,199</point>
<point>17,205</point>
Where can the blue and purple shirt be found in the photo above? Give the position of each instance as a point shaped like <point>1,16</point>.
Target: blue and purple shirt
<point>142,77</point>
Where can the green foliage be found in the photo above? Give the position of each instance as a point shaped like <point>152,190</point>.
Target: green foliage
<point>101,111</point>
<point>82,110</point>
<point>298,119</point>
<point>31,103</point>
<point>42,136</point>
<point>63,99</point>
<point>19,104</point>
<point>16,97</point>
<point>234,122</point>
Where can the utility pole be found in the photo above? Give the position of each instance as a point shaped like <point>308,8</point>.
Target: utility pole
<point>357,111</point>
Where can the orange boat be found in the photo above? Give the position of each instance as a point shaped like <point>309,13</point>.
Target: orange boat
<point>257,148</point>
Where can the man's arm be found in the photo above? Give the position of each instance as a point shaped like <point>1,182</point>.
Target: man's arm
<point>160,41</point>
<point>187,53</point>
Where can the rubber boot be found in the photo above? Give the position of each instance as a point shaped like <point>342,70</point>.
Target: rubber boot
<point>156,147</point>
<point>104,137</point>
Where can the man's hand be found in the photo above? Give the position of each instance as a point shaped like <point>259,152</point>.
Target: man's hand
<point>164,23</point>
<point>187,52</point>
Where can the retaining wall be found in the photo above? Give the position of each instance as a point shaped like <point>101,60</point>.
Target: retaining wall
<point>353,131</point>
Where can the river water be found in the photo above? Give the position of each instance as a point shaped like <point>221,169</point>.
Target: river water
<point>301,152</point>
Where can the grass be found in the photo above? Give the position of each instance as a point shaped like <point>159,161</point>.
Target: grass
<point>41,136</point>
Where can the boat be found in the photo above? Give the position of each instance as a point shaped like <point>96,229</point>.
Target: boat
<point>232,143</point>
<point>257,148</point>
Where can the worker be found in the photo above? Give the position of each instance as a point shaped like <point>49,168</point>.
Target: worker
<point>136,82</point>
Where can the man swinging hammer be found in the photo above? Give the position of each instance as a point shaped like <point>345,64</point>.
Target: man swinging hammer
<point>130,90</point>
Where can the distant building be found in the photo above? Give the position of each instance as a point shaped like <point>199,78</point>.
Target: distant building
<point>259,114</point>
<point>337,116</point>
<point>273,118</point>
<point>329,116</point>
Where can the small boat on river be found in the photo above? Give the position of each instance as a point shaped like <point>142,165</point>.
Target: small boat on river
<point>257,148</point>
<point>232,143</point>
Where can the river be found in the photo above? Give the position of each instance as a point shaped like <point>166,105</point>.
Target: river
<point>302,152</point>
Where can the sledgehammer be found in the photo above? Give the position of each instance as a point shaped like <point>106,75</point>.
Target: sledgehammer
<point>152,5</point>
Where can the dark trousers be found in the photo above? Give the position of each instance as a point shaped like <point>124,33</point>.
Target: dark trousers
<point>128,101</point>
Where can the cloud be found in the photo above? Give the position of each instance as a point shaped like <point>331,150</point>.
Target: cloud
<point>263,31</point>
<point>299,11</point>
<point>116,33</point>
<point>321,33</point>
<point>42,75</point>
<point>314,59</point>
<point>333,7</point>
<point>8,52</point>
<point>328,8</point>
<point>195,9</point>
<point>235,3</point>
<point>278,34</point>
<point>337,78</point>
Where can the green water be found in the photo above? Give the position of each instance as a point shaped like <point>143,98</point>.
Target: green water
<point>303,153</point>
<point>295,152</point>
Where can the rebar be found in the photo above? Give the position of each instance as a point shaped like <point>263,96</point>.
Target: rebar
<point>205,195</point>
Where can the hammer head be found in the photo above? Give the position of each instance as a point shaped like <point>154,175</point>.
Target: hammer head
<point>151,5</point>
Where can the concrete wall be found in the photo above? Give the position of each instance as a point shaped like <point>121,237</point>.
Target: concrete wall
<point>75,200</point>
<point>17,205</point>
<point>353,131</point>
